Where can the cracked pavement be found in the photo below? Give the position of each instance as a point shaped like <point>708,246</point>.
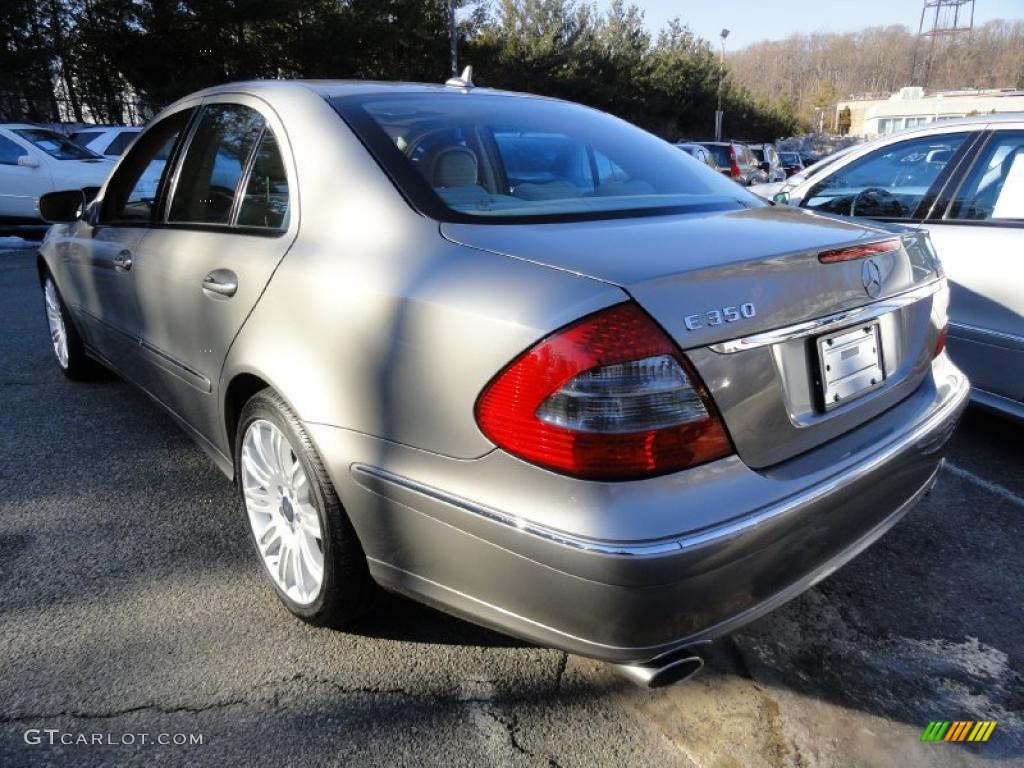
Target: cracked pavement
<point>130,606</point>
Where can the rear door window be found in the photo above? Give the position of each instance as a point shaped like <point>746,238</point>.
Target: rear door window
<point>213,165</point>
<point>994,190</point>
<point>890,182</point>
<point>265,202</point>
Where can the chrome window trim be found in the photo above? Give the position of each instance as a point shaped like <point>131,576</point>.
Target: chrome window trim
<point>809,327</point>
<point>243,181</point>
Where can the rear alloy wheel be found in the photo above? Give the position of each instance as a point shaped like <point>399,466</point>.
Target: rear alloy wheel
<point>64,338</point>
<point>301,534</point>
<point>282,515</point>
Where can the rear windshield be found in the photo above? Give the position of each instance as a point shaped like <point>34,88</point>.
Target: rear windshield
<point>720,153</point>
<point>507,159</point>
<point>55,145</point>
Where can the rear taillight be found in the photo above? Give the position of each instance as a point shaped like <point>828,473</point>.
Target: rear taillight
<point>940,343</point>
<point>940,317</point>
<point>859,251</point>
<point>609,397</point>
<point>734,166</point>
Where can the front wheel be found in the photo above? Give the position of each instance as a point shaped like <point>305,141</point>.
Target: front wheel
<point>67,344</point>
<point>298,527</point>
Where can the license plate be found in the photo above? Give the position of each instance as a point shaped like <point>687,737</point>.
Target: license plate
<point>851,364</point>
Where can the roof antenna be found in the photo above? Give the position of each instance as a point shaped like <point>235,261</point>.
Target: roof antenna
<point>465,80</point>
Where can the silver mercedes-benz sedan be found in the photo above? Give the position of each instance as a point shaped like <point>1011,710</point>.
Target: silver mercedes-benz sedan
<point>510,356</point>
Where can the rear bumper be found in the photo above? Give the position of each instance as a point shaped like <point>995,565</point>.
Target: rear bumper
<point>469,541</point>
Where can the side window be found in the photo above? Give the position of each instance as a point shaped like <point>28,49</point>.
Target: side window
<point>9,151</point>
<point>120,143</point>
<point>265,202</point>
<point>132,192</point>
<point>213,165</point>
<point>995,188</point>
<point>81,138</point>
<point>888,183</point>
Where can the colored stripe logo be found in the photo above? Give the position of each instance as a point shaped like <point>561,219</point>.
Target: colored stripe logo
<point>958,730</point>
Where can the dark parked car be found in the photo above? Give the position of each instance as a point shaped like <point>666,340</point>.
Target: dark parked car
<point>792,163</point>
<point>737,162</point>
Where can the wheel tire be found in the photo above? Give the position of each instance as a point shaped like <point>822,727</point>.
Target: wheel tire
<point>65,341</point>
<point>346,589</point>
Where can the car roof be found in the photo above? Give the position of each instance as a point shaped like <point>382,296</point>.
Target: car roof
<point>339,88</point>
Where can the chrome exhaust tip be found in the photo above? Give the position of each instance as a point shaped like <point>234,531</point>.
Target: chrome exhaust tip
<point>663,671</point>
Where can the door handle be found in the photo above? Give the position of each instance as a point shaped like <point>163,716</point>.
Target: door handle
<point>221,282</point>
<point>123,260</point>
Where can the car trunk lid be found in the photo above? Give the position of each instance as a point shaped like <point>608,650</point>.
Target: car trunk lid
<point>712,278</point>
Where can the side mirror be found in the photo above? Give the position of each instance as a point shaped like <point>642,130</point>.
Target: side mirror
<point>90,193</point>
<point>27,161</point>
<point>782,198</point>
<point>61,207</point>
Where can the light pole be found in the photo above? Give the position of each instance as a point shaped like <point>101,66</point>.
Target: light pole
<point>721,78</point>
<point>453,38</point>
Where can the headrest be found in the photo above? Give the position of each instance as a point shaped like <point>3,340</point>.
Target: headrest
<point>454,167</point>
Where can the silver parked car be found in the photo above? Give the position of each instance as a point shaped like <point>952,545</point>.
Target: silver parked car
<point>963,182</point>
<point>510,356</point>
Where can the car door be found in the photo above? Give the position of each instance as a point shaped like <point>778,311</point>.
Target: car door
<point>225,226</point>
<point>98,258</point>
<point>978,231</point>
<point>21,185</point>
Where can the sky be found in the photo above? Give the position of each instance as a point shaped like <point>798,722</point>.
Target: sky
<point>749,21</point>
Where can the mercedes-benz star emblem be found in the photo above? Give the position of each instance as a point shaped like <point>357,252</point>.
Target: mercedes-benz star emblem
<point>871,277</point>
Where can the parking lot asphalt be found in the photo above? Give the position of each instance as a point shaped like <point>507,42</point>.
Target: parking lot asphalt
<point>130,604</point>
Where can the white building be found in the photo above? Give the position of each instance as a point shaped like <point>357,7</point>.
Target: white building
<point>909,107</point>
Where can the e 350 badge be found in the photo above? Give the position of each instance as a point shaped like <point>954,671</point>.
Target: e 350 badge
<point>720,316</point>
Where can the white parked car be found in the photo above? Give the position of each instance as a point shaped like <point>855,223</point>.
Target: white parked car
<point>110,141</point>
<point>963,182</point>
<point>34,161</point>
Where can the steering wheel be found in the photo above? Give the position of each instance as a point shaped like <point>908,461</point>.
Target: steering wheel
<point>885,203</point>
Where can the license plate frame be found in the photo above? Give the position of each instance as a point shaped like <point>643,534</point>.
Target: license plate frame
<point>850,364</point>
